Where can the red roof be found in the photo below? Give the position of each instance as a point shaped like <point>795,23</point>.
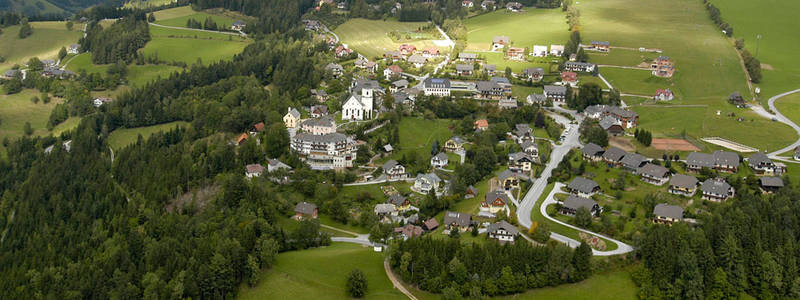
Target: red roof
<point>407,47</point>
<point>431,50</point>
<point>482,123</point>
<point>259,127</point>
<point>396,69</point>
<point>569,76</point>
<point>663,92</point>
<point>241,138</point>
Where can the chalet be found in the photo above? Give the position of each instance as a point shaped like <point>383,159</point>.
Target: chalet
<point>292,118</point>
<point>516,53</point>
<point>359,106</point>
<point>471,192</point>
<point>481,125</point>
<point>573,57</point>
<point>273,164</point>
<point>409,231</point>
<point>569,78</point>
<point>305,210</point>
<point>55,72</point>
<point>500,41</point>
<point>341,51</point>
<point>663,66</point>
<point>579,66</point>
<point>539,51</point>
<point>253,170</point>
<point>393,55</point>
<point>583,187</point>
<point>762,165</point>
<point>684,185</point>
<point>664,95</point>
<point>49,63</point>
<point>503,232</point>
<point>626,118</point>
<point>74,49</point>
<point>467,3</point>
<point>400,202</point>
<point>398,85</point>
<point>523,133</point>
<point>510,180</point>
<point>520,162</point>
<point>417,60</point>
<point>430,52</point>
<point>99,101</point>
<point>556,50</point>
<point>402,97</point>
<point>503,83</point>
<point>592,152</point>
<point>424,183</point>
<point>333,151</point>
<point>612,126</point>
<point>602,46</point>
<point>667,214</point>
<point>613,156</point>
<point>335,69</point>
<point>238,25</point>
<point>406,49</point>
<point>573,203</point>
<point>531,149</point>
<point>258,127</point>
<point>514,6</point>
<point>533,74</point>
<point>318,111</point>
<point>464,69</point>
<point>488,5</point>
<point>457,221</point>
<point>555,93</point>
<point>392,71</point>
<point>440,160</point>
<point>320,95</point>
<point>436,87</point>
<point>490,70</point>
<point>455,144</point>
<point>654,174</point>
<point>467,57</point>
<point>716,189</point>
<point>494,201</point>
<point>490,90</point>
<point>632,162</point>
<point>770,184</point>
<point>720,160</point>
<point>394,170</point>
<point>539,99</point>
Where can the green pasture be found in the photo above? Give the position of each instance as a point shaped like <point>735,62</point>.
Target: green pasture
<point>45,42</point>
<point>123,137</point>
<point>621,57</point>
<point>189,45</point>
<point>138,75</point>
<point>178,16</point>
<point>637,82</point>
<point>532,27</point>
<point>146,3</point>
<point>417,135</point>
<point>789,106</point>
<point>371,37</point>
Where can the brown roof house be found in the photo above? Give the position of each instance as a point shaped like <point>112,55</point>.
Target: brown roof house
<point>305,210</point>
<point>494,201</point>
<point>456,220</point>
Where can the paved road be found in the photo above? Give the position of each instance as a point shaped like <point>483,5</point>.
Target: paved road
<point>335,36</point>
<point>783,119</point>
<point>203,30</point>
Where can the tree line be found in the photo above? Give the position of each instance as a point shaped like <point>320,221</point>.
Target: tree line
<point>120,42</point>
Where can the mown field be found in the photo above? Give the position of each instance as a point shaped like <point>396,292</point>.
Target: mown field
<point>17,109</point>
<point>178,16</point>
<point>417,135</point>
<point>321,274</point>
<point>532,27</point>
<point>371,39</point>
<point>123,137</point>
<point>45,42</point>
<point>776,22</point>
<point>637,82</point>
<point>188,46</point>
<point>138,75</point>
<point>146,3</point>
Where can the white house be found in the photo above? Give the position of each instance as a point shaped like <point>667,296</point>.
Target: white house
<point>539,51</point>
<point>437,87</point>
<point>74,49</point>
<point>358,107</point>
<point>291,118</point>
<point>254,170</point>
<point>556,50</point>
<point>439,160</point>
<point>99,101</point>
<point>503,231</point>
<point>427,182</point>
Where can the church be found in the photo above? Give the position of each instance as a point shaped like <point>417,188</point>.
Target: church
<point>358,107</point>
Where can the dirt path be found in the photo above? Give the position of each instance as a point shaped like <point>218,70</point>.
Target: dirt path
<point>396,282</point>
<point>338,229</point>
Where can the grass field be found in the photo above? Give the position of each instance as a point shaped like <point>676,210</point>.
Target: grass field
<point>371,39</point>
<point>417,135</point>
<point>621,57</point>
<point>17,109</point>
<point>188,45</point>
<point>146,3</point>
<point>616,285</point>
<point>776,22</point>
<point>178,16</point>
<point>137,74</point>
<point>533,27</point>
<point>321,274</point>
<point>123,137</point>
<point>46,41</point>
<point>498,59</point>
<point>637,82</point>
<point>790,106</point>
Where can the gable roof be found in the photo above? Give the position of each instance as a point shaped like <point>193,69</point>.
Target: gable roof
<point>494,227</point>
<point>592,149</point>
<point>500,39</point>
<point>583,185</point>
<point>654,170</point>
<point>390,164</point>
<point>614,154</point>
<point>457,139</point>
<point>633,160</point>
<point>576,202</point>
<point>700,159</point>
<point>383,208</point>
<point>460,219</point>
<point>441,156</point>
<point>430,177</point>
<point>669,211</point>
<point>494,195</point>
<point>294,113</point>
<point>726,158</point>
<point>607,122</point>
<point>759,159</point>
<point>471,190</point>
<point>417,59</point>
<point>397,199</point>
<point>555,89</point>
<point>715,186</point>
<point>305,208</point>
<point>464,67</point>
<point>770,181</point>
<point>431,224</point>
<point>255,168</point>
<point>683,181</point>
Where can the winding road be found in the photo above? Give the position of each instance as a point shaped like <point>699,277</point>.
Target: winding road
<point>783,119</point>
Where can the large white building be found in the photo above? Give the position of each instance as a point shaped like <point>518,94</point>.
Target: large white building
<point>325,152</point>
<point>358,106</point>
<point>437,87</point>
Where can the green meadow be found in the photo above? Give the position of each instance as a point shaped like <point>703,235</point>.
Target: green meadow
<point>178,16</point>
<point>45,42</point>
<point>138,75</point>
<point>123,137</point>
<point>637,82</point>
<point>146,3</point>
<point>525,29</point>
<point>188,45</point>
<point>371,37</point>
<point>417,135</point>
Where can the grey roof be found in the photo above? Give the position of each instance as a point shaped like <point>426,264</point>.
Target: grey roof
<point>396,199</point>
<point>305,208</point>
<point>769,181</point>
<point>726,158</point>
<point>294,113</point>
<point>633,160</point>
<point>11,73</point>
<point>325,121</point>
<point>437,83</point>
<point>669,211</point>
<point>576,202</point>
<point>614,154</point>
<point>517,156</point>
<point>500,80</point>
<point>366,84</point>
<point>715,186</point>
<point>506,174</point>
<point>458,139</point>
<point>653,170</point>
<point>324,138</point>
<point>683,181</point>
<point>332,66</point>
<point>578,64</point>
<point>383,208</point>
<point>275,163</point>
<point>527,145</point>
<point>607,122</point>
<point>583,185</point>
<point>759,159</point>
<point>323,109</point>
<point>616,110</point>
<point>555,89</point>
<point>504,226</point>
<point>390,164</point>
<point>491,196</point>
<point>467,55</point>
<point>605,43</point>
<point>523,128</point>
<point>442,156</point>
<point>400,83</point>
<point>464,67</point>
<point>700,159</point>
<point>238,22</point>
<point>532,71</point>
<point>536,98</point>
<point>735,95</point>
<point>490,67</point>
<point>417,59</point>
<point>432,177</point>
<point>486,86</point>
<point>592,149</point>
<point>595,109</point>
<point>460,219</point>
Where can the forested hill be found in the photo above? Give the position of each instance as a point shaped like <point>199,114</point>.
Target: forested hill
<point>52,7</point>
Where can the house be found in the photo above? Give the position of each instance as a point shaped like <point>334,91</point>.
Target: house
<point>11,74</point>
<point>409,231</point>
<point>48,63</point>
<point>320,95</point>
<point>481,124</point>
<point>556,50</point>
<point>335,69</point>
<point>358,107</point>
<point>573,57</point>
<point>55,72</point>
<point>762,165</point>
<point>626,118</point>
<point>697,161</point>
<point>253,170</point>
<point>388,148</point>
<point>401,203</point>
<point>490,70</point>
<point>291,118</point>
<point>406,49</point>
<point>490,90</point>
<point>664,95</point>
<point>515,53</point>
<point>392,71</point>
<point>430,52</point>
<point>273,164</point>
<point>632,162</point>
<point>716,189</point>
<point>555,93</point>
<point>464,69</point>
<point>726,161</point>
<point>539,99</point>
<point>663,66</point>
<point>99,101</point>
<point>770,184</point>
<point>488,5</point>
<point>592,152</point>
<point>539,51</point>
<point>319,126</point>
<point>667,214</point>
<point>736,98</point>
<point>467,3</point>
<point>583,187</point>
<point>332,151</point>
<point>402,97</point>
<point>610,125</point>
<point>430,225</point>
<point>576,66</point>
<point>457,221</point>
<point>573,203</point>
<point>341,51</point>
<point>311,25</point>
<point>305,210</point>
<point>613,156</point>
<point>494,201</point>
<point>510,180</point>
<point>531,149</point>
<point>436,87</point>
<point>258,127</point>
<point>684,185</point>
<point>425,183</point>
<point>523,133</point>
<point>341,5</point>
<point>654,174</point>
<point>502,82</point>
<point>471,192</point>
<point>418,60</point>
<point>241,139</point>
<point>398,85</point>
<point>74,49</point>
<point>569,78</point>
<point>520,162</point>
<point>514,6</point>
<point>238,25</point>
<point>394,170</point>
<point>503,232</point>
<point>602,46</point>
<point>533,74</point>
<point>440,160</point>
<point>467,57</point>
<point>317,111</point>
<point>455,144</point>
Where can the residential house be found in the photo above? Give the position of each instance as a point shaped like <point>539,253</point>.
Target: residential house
<point>392,71</point>
<point>720,160</point>
<point>523,133</point>
<point>573,203</point>
<point>319,126</point>
<point>457,221</point>
<point>531,149</point>
<point>555,93</point>
<point>664,95</point>
<point>238,25</point>
<point>612,126</point>
<point>305,210</point>
<point>654,174</point>
<point>74,49</point>
<point>409,231</point>
<point>430,52</point>
<point>99,101</point>
<point>667,214</point>
<point>613,156</point>
<point>406,49</point>
<point>488,5</point>
<point>241,139</point>
<point>440,160</point>
<point>576,66</point>
<point>626,118</point>
<point>468,57</point>
<point>500,41</point>
<point>514,6</point>
<point>503,232</point>
<point>539,99</point>
<point>358,107</point>
<point>455,144</point>
<point>663,66</point>
<point>394,170</point>
<point>428,182</point>
<point>318,111</point>
<point>320,95</point>
<point>55,72</point>
<point>253,170</point>
<point>335,69</point>
<point>696,161</point>
<point>258,127</point>
<point>398,85</point>
<point>569,78</point>
<point>48,63</point>
<point>325,152</point>
<point>556,50</point>
<point>494,201</point>
<point>716,189</point>
<point>292,118</point>
<point>471,192</point>
<point>11,74</point>
<point>464,69</point>
<point>533,74</point>
<point>684,185</point>
<point>393,55</point>
<point>592,152</point>
<point>467,3</point>
<point>762,165</point>
<point>736,98</point>
<point>341,51</point>
<point>520,162</point>
<point>312,25</point>
<point>436,87</point>
<point>503,83</point>
<point>770,184</point>
<point>430,225</point>
<point>490,90</point>
<point>402,97</point>
<point>602,46</point>
<point>539,51</point>
<point>273,164</point>
<point>516,53</point>
<point>388,148</point>
<point>510,180</point>
<point>481,124</point>
<point>490,70</point>
<point>400,202</point>
<point>583,187</point>
<point>418,60</point>
<point>632,162</point>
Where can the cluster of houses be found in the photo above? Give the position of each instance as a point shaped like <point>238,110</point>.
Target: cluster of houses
<point>613,119</point>
<point>412,55</point>
<point>663,66</point>
<point>317,142</point>
<point>503,43</point>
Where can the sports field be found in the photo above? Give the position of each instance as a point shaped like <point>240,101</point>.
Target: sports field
<point>321,273</point>
<point>189,45</point>
<point>532,27</point>
<point>123,137</point>
<point>178,16</point>
<point>371,37</point>
<point>45,42</point>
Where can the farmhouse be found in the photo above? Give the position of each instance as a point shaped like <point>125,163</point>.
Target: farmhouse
<point>531,149</point>
<point>305,210</point>
<point>430,52</point>
<point>592,152</point>
<point>317,111</point>
<point>418,60</point>
<point>392,71</point>
<point>253,170</point>
<point>716,189</point>
<point>770,184</point>
<point>436,87</point>
<point>408,231</point>
<point>319,126</point>
<point>238,25</point>
<point>516,53</point>
<point>514,6</point>
<point>341,51</point>
<point>406,49</point>
<point>489,90</point>
<point>533,74</point>
<point>358,107</point>
<point>667,214</point>
<point>440,160</point>
<point>494,201</point>
<point>556,50</point>
<point>74,49</point>
<point>583,187</point>
<point>569,78</point>
<point>579,66</point>
<point>555,93</point>
<point>612,126</point>
<point>400,202</point>
<point>499,41</point>
<point>654,174</point>
<point>613,156</point>
<point>325,152</point>
<point>663,95</point>
<point>464,69</point>
<point>291,118</point>
<point>335,69</point>
<point>510,180</point>
<point>457,221</point>
<point>274,164</point>
<point>684,185</point>
<point>424,183</point>
<point>762,165</point>
<point>467,57</point>
<point>455,144</point>
<point>539,51</point>
<point>481,124</point>
<point>662,66</point>
<point>573,203</point>
<point>502,231</point>
<point>394,170</point>
<point>602,46</point>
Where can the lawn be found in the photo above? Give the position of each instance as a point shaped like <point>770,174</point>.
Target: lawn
<point>417,135</point>
<point>188,45</point>
<point>123,137</point>
<point>178,16</point>
<point>46,41</point>
<point>321,274</point>
<point>621,57</point>
<point>789,106</point>
<point>776,22</point>
<point>137,74</point>
<point>371,37</point>
<point>532,27</point>
<point>616,285</point>
<point>637,82</point>
<point>146,3</point>
<point>17,109</point>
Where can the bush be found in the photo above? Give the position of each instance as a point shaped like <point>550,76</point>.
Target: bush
<point>357,283</point>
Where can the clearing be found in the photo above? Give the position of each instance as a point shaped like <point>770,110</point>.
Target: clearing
<point>123,137</point>
<point>525,29</point>
<point>138,75</point>
<point>45,42</point>
<point>188,46</point>
<point>178,16</point>
<point>371,37</point>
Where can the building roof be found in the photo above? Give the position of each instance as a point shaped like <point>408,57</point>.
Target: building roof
<point>472,190</point>
<point>324,121</point>
<point>507,174</point>
<point>397,200</point>
<point>255,168</point>
<point>500,80</point>
<point>614,154</point>
<point>417,59</point>
<point>390,164</point>
<point>460,219</point>
<point>555,89</point>
<point>536,98</point>
<point>400,83</point>
<point>486,86</point>
<point>603,43</point>
<point>528,145</point>
<point>305,208</point>
<point>458,139</point>
<point>384,208</point>
<point>333,66</point>
<point>500,39</point>
<point>490,67</point>
<point>431,177</point>
<point>431,224</point>
<point>395,69</point>
<point>726,158</point>
<point>592,149</point>
<point>608,121</point>
<point>769,181</point>
<point>493,195</point>
<point>321,139</point>
<point>294,113</point>
<point>669,211</point>
<point>438,83</point>
<point>715,186</point>
<point>238,23</point>
<point>275,163</point>
<point>518,156</point>
<point>464,67</point>
<point>633,160</point>
<point>467,55</point>
<point>533,71</point>
<point>583,185</point>
<point>683,181</point>
<point>759,158</point>
<point>653,170</point>
<point>441,156</point>
<point>11,73</point>
<point>502,225</point>
<point>621,112</point>
<point>409,230</point>
<point>482,123</point>
<point>576,202</point>
<point>700,159</point>
<point>569,76</point>
<point>319,109</point>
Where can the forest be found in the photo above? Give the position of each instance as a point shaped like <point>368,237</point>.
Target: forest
<point>119,42</point>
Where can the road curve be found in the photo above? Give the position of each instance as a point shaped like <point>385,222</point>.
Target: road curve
<point>783,119</point>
